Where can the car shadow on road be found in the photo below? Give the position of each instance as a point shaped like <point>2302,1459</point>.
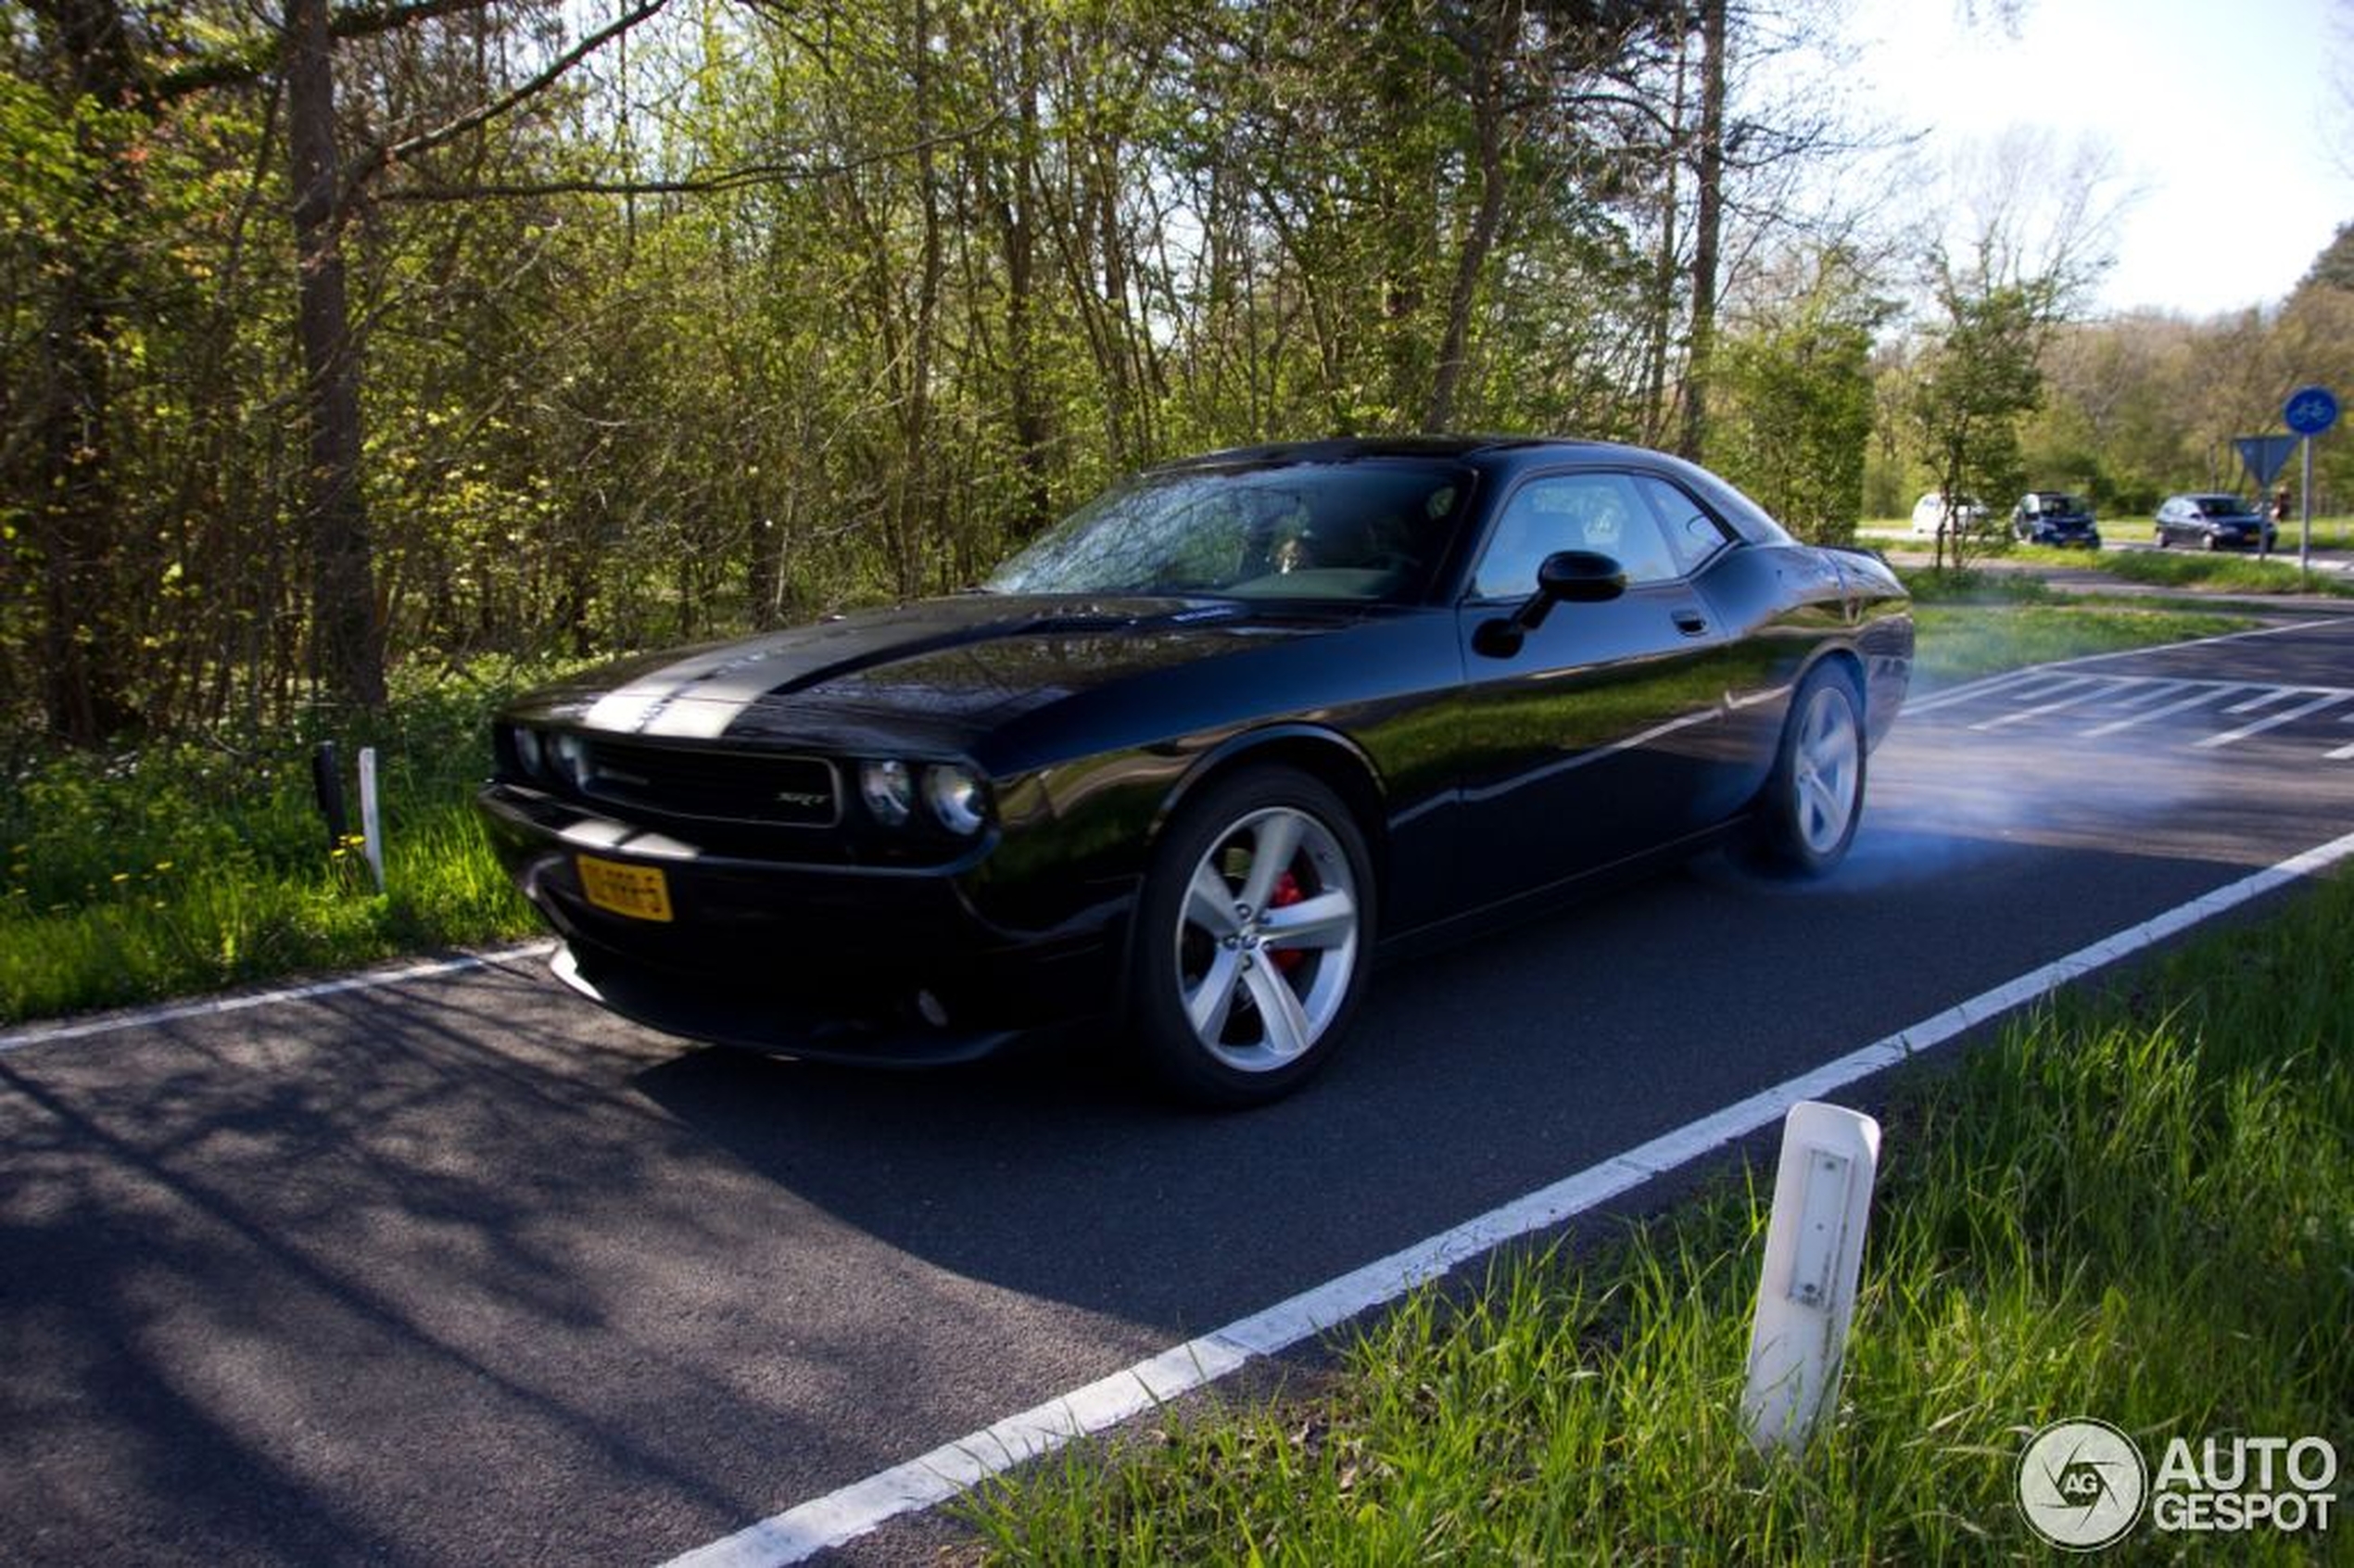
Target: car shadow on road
<point>1475,1076</point>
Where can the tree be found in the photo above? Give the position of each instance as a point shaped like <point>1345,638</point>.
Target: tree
<point>1794,410</point>
<point>1980,377</point>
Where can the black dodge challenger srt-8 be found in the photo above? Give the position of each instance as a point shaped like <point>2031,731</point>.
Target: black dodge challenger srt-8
<point>1190,760</point>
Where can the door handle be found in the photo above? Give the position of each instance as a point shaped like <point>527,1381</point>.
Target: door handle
<point>1691,623</point>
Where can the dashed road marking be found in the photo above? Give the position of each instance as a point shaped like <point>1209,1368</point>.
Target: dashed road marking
<point>2287,715</point>
<point>2092,687</point>
<point>2146,714</point>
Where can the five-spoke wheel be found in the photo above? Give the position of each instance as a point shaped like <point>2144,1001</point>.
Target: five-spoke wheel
<point>1815,797</point>
<point>1255,936</point>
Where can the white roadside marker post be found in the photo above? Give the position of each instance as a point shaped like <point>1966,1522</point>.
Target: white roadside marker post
<point>371,828</point>
<point>1814,1253</point>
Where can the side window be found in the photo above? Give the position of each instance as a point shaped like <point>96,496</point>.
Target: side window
<point>1603,512</point>
<point>1692,534</point>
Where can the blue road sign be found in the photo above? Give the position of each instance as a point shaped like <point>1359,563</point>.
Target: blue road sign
<point>2265,456</point>
<point>2310,410</point>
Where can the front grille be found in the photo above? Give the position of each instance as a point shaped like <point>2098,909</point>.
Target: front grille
<point>714,786</point>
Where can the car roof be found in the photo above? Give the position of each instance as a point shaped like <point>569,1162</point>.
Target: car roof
<point>1350,448</point>
<point>1505,459</point>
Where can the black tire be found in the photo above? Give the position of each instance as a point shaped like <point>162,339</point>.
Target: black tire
<point>2161,539</point>
<point>1814,800</point>
<point>1232,1001</point>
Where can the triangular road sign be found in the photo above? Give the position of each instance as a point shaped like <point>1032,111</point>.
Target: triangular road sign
<point>2265,456</point>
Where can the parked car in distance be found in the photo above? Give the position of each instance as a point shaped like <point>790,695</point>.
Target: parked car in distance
<point>2212,521</point>
<point>1963,515</point>
<point>2055,517</point>
<point>1189,762</point>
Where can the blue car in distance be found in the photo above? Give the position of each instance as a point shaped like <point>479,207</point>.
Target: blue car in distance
<point>2212,521</point>
<point>2055,517</point>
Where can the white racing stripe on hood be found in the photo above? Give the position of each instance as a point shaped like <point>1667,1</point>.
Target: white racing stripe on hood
<point>700,697</point>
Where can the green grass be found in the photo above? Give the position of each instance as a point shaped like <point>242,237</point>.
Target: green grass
<point>2134,1207</point>
<point>186,867</point>
<point>2203,573</point>
<point>1958,642</point>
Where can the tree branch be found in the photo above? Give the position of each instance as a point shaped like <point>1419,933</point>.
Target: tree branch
<point>381,155</point>
<point>689,184</point>
<point>255,60</point>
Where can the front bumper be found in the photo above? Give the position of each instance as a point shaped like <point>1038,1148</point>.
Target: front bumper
<point>848,963</point>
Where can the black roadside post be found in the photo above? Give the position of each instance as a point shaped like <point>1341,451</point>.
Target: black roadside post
<point>326,781</point>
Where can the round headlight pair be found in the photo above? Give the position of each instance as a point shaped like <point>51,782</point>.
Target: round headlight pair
<point>561,757</point>
<point>951,793</point>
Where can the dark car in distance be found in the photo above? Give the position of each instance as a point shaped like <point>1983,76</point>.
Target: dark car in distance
<point>1189,762</point>
<point>2055,517</point>
<point>2212,521</point>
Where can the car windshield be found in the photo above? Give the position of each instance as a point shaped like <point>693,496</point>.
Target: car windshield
<point>2061,506</point>
<point>2222,506</point>
<point>1374,529</point>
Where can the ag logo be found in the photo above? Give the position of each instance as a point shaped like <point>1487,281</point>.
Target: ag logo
<point>2081,1484</point>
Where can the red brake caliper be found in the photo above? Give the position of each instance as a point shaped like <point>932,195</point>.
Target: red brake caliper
<point>1286,892</point>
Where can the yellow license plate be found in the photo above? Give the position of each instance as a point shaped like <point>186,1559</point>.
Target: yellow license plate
<point>640,892</point>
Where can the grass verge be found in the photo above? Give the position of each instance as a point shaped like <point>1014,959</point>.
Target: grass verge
<point>2137,1207</point>
<point>2201,572</point>
<point>1958,642</point>
<point>186,867</point>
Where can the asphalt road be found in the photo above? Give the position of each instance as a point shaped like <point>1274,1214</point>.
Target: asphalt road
<point>459,1270</point>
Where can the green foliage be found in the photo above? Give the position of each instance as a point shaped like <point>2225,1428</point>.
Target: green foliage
<point>2132,1207</point>
<point>1794,407</point>
<point>1982,376</point>
<point>185,866</point>
<point>1963,641</point>
<point>2224,574</point>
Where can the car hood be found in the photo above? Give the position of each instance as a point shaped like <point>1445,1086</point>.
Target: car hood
<point>932,675</point>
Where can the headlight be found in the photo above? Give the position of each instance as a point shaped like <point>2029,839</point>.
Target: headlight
<point>528,753</point>
<point>954,797</point>
<point>889,790</point>
<point>571,754</point>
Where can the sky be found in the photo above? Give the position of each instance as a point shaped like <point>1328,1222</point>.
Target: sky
<point>2231,121</point>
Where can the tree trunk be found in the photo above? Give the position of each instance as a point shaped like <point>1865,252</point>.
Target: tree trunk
<point>1661,305</point>
<point>1708,225</point>
<point>74,525</point>
<point>1019,223</point>
<point>1486,69</point>
<point>346,645</point>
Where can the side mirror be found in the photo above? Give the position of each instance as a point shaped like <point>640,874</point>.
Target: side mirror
<point>1568,576</point>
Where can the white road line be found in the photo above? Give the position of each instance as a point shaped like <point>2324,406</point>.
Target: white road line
<point>933,1478</point>
<point>142,1018</point>
<point>2271,696</point>
<point>2153,692</point>
<point>2052,688</point>
<point>2287,715</point>
<point>2148,714</point>
<point>2094,687</point>
<point>1988,685</point>
<point>1985,685</point>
